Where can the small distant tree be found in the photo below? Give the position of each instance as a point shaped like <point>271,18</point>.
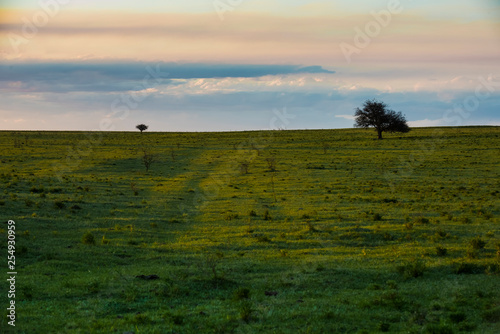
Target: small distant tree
<point>142,127</point>
<point>376,114</point>
<point>148,159</point>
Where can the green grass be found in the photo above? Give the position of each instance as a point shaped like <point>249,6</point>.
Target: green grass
<point>326,231</point>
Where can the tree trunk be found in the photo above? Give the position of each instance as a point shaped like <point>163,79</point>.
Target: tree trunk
<point>379,131</point>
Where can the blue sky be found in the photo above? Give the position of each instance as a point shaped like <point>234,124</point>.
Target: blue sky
<point>183,66</point>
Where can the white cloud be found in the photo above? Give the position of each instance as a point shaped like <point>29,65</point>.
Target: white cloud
<point>426,123</point>
<point>350,117</point>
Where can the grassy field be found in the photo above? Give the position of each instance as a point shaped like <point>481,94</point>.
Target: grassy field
<point>326,231</point>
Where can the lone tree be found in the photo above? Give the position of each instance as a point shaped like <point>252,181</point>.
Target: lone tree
<point>148,158</point>
<point>376,114</point>
<point>142,127</point>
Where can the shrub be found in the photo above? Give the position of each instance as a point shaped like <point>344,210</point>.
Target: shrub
<point>391,284</point>
<point>388,236</point>
<point>28,292</point>
<point>492,315</point>
<point>413,268</point>
<point>252,213</point>
<point>88,239</point>
<point>59,205</point>
<point>422,220</point>
<point>472,253</point>
<point>467,327</point>
<point>457,317</point>
<point>246,311</point>
<point>492,268</point>
<point>384,327</point>
<point>389,200</point>
<point>311,228</point>
<point>440,234</point>
<point>267,215</point>
<point>466,220</point>
<point>242,293</point>
<point>438,329</point>
<point>37,190</point>
<point>142,319</point>
<point>55,190</point>
<point>263,238</point>
<point>231,216</point>
<point>105,241</point>
<point>244,167</point>
<point>477,243</point>
<point>377,217</point>
<point>93,287</point>
<point>468,268</point>
<point>441,251</point>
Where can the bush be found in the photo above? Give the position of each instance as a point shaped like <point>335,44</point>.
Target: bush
<point>438,329</point>
<point>88,239</point>
<point>141,319</point>
<point>105,241</point>
<point>231,216</point>
<point>267,215</point>
<point>472,253</point>
<point>242,293</point>
<point>422,220</point>
<point>477,243</point>
<point>492,315</point>
<point>468,268</point>
<point>457,317</point>
<point>466,220</point>
<point>59,205</point>
<point>441,251</point>
<point>384,327</point>
<point>414,268</point>
<point>263,238</point>
<point>37,190</point>
<point>246,311</point>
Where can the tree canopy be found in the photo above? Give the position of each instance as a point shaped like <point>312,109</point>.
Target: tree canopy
<point>377,114</point>
<point>142,127</point>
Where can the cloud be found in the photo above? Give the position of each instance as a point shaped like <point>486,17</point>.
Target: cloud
<point>121,76</point>
<point>349,117</point>
<point>426,123</point>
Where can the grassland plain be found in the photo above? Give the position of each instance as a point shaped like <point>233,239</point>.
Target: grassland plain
<point>326,231</point>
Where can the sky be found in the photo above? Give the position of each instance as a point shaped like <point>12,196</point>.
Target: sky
<point>231,65</point>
